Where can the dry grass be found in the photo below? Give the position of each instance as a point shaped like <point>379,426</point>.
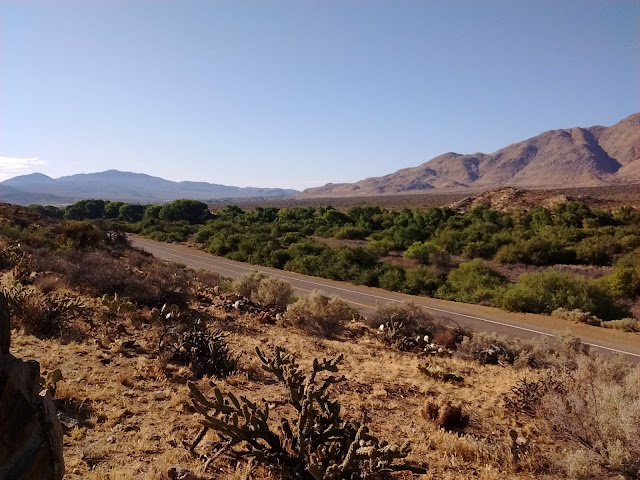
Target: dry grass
<point>133,414</point>
<point>129,417</point>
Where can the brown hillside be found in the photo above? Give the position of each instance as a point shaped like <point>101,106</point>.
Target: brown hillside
<point>579,157</point>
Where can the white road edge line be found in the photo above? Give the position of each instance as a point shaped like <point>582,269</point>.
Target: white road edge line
<point>486,320</point>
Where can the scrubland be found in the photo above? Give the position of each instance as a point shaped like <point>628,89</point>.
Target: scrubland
<point>134,336</point>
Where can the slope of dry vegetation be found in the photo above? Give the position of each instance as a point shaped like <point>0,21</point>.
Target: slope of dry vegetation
<point>472,405</point>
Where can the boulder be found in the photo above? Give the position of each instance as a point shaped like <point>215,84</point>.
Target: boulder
<point>5,326</point>
<point>30,433</point>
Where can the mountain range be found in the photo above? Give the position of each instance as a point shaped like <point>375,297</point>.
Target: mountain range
<point>575,157</point>
<point>117,185</point>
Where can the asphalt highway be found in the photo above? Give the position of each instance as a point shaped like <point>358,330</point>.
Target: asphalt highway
<point>366,299</point>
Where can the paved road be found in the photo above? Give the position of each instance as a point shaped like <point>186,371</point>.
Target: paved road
<point>366,299</point>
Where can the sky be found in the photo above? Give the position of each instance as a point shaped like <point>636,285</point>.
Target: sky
<point>298,93</point>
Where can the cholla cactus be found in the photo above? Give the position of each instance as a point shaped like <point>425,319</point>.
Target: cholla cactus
<point>320,445</point>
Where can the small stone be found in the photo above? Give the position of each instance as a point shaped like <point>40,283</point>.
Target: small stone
<point>180,473</point>
<point>111,440</point>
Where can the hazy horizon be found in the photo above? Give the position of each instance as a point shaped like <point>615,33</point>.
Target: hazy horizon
<point>297,94</point>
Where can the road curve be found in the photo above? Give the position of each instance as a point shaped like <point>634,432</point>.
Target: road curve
<point>366,299</point>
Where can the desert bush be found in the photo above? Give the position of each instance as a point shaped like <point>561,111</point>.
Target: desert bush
<point>491,348</point>
<point>320,314</point>
<point>162,282</point>
<point>10,256</point>
<point>315,444</point>
<point>577,316</point>
<point>624,324</point>
<point>274,292</point>
<point>48,283</point>
<point>204,351</point>
<point>525,396</point>
<point>36,313</point>
<point>413,318</point>
<point>208,278</point>
<point>446,416</point>
<point>99,273</point>
<point>248,283</point>
<point>598,412</point>
<point>264,289</point>
<point>80,235</point>
<point>138,258</point>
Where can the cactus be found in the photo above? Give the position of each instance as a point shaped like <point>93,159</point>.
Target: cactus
<point>166,314</point>
<point>317,444</point>
<point>207,353</point>
<point>50,381</point>
<point>118,304</point>
<point>10,256</point>
<point>437,372</point>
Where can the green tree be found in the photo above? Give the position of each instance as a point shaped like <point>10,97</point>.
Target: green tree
<point>152,212</point>
<point>131,212</point>
<point>193,211</point>
<point>112,209</point>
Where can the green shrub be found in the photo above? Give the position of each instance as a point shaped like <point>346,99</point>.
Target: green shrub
<point>536,251</point>
<point>473,282</point>
<point>597,250</point>
<point>351,233</point>
<point>422,281</point>
<point>422,252</point>
<point>623,282</point>
<point>547,291</point>
<point>391,277</point>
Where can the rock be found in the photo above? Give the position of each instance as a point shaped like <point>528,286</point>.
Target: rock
<point>5,326</point>
<point>30,433</point>
<point>180,473</point>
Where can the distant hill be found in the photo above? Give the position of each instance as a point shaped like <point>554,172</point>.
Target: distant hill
<point>577,157</point>
<point>117,185</point>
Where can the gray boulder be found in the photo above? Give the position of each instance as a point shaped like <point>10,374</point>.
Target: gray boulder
<point>30,433</point>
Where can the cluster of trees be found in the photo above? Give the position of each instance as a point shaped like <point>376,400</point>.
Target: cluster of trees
<point>450,248</point>
<point>191,211</point>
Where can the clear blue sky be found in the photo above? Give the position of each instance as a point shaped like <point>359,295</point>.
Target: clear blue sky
<point>298,93</point>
